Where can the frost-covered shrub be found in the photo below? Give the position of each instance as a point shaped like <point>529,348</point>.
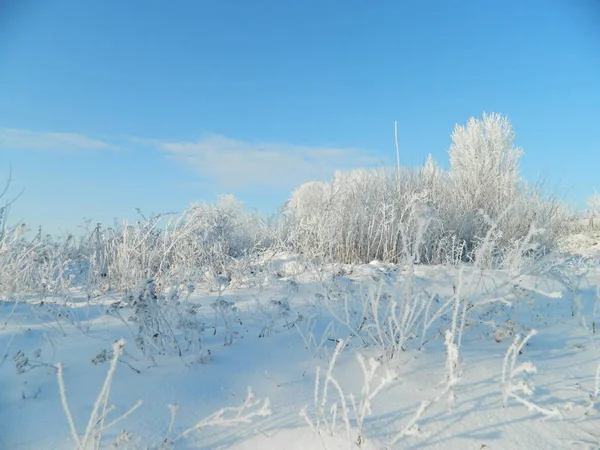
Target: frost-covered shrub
<point>28,265</point>
<point>218,233</point>
<point>428,214</point>
<point>363,216</point>
<point>41,265</point>
<point>204,239</point>
<point>485,183</point>
<point>208,241</point>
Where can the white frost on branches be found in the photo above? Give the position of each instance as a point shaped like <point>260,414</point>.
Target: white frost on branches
<point>484,163</point>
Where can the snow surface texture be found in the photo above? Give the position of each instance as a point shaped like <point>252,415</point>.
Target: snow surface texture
<point>301,356</point>
<point>585,243</point>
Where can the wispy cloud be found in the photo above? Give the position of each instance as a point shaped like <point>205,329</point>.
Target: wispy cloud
<point>238,164</point>
<point>228,163</point>
<point>17,139</point>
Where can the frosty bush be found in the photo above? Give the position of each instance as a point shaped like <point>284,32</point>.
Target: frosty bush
<point>204,240</point>
<point>363,217</point>
<point>41,265</point>
<point>429,214</point>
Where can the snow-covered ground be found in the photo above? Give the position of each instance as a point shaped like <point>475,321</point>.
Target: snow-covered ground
<point>585,243</point>
<point>302,339</point>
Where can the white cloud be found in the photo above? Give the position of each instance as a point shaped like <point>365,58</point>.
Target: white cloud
<point>229,163</point>
<point>16,139</point>
<point>237,164</point>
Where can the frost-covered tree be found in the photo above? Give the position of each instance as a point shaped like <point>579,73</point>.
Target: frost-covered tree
<point>430,169</point>
<point>308,197</point>
<point>484,164</point>
<point>593,203</point>
<point>308,214</point>
<point>433,179</point>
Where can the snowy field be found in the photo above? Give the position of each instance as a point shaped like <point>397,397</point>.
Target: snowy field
<point>335,357</point>
<point>470,328</point>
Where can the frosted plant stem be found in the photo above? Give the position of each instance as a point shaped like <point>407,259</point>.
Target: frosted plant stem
<point>65,404</point>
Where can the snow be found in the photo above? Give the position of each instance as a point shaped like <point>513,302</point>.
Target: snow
<point>585,243</point>
<point>284,328</point>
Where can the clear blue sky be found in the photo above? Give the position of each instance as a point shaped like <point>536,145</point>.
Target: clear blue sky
<point>110,105</point>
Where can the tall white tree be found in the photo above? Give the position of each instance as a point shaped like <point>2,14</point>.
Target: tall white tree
<point>484,163</point>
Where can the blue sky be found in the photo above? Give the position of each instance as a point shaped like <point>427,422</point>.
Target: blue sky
<point>110,105</point>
